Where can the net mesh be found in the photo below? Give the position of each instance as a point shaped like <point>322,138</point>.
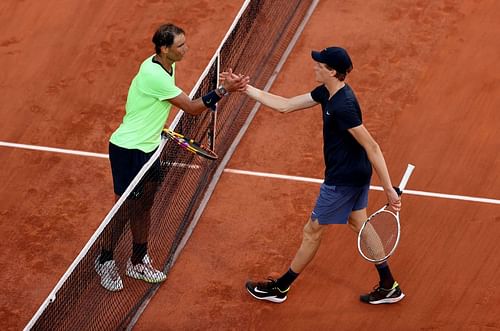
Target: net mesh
<point>173,184</point>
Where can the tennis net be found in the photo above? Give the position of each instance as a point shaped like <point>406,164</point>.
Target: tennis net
<point>169,189</point>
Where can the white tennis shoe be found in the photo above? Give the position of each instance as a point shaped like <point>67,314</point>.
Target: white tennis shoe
<point>145,271</point>
<point>110,278</point>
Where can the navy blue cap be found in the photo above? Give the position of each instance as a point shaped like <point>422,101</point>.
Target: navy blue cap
<point>335,57</point>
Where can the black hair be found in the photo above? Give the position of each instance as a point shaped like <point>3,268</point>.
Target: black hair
<point>340,76</point>
<point>165,35</point>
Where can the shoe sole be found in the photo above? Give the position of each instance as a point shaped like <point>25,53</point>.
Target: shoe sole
<point>112,289</point>
<point>147,280</point>
<point>271,298</point>
<point>387,300</point>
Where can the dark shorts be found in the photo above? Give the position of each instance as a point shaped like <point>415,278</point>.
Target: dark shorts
<point>335,203</point>
<point>126,164</point>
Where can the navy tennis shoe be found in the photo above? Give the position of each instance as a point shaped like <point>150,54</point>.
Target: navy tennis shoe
<point>267,290</point>
<point>382,295</point>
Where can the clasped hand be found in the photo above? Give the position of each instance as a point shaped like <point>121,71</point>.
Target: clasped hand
<point>233,82</point>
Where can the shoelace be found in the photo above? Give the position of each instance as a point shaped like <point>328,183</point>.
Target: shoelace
<point>378,288</point>
<point>268,284</point>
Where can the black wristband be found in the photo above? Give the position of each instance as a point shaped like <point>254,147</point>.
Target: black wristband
<point>210,99</point>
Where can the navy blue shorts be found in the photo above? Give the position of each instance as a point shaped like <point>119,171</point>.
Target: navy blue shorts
<point>335,203</point>
<point>126,163</point>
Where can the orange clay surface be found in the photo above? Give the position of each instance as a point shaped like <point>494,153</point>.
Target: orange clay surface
<point>427,76</point>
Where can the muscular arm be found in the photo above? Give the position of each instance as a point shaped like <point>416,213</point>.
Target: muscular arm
<point>193,107</point>
<point>363,137</point>
<point>281,104</point>
<point>231,82</point>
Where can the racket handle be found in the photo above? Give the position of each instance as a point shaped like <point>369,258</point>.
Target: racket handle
<point>406,177</point>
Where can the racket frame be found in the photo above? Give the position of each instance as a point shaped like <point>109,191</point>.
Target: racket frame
<point>365,223</point>
<point>189,144</point>
<point>399,189</point>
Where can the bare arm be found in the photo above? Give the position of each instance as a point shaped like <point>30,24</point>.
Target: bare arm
<point>194,107</point>
<point>281,104</point>
<point>377,160</point>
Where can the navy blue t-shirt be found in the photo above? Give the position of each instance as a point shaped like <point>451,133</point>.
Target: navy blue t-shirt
<point>346,160</point>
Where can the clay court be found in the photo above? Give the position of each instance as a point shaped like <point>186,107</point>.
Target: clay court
<point>427,76</point>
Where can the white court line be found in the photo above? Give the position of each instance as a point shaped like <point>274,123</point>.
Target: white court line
<point>261,174</point>
<point>52,149</point>
<point>80,153</point>
<point>376,188</point>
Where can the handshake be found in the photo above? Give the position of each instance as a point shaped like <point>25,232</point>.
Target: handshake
<point>231,82</point>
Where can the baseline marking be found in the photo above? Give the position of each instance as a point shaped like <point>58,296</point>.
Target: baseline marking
<point>372,187</point>
<point>53,150</point>
<point>260,174</point>
<point>81,153</point>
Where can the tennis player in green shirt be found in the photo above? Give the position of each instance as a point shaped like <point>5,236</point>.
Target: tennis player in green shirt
<point>150,97</point>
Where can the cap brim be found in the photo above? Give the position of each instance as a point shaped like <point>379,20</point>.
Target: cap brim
<point>317,56</point>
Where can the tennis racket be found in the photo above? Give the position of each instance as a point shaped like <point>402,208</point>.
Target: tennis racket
<point>190,145</point>
<point>379,234</point>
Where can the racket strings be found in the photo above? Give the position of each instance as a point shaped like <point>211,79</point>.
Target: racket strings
<point>379,237</point>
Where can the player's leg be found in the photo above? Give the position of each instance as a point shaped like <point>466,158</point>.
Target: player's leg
<point>122,170</point>
<point>139,203</point>
<point>332,207</point>
<point>113,232</point>
<point>140,265</point>
<point>275,290</point>
<point>356,220</point>
<point>388,290</point>
<point>140,222</point>
<point>311,240</point>
<point>105,265</point>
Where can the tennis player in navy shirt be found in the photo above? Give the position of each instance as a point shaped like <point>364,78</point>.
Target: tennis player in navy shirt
<point>350,152</point>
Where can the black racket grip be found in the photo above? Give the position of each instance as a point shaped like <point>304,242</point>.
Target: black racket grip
<point>398,191</point>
